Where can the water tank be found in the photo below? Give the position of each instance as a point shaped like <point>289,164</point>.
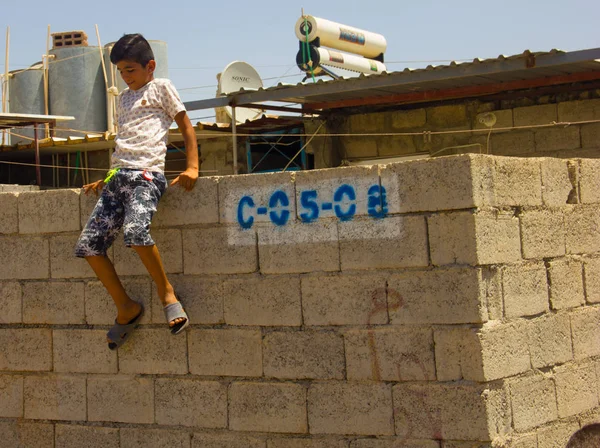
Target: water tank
<point>159,48</point>
<point>26,90</point>
<point>77,88</point>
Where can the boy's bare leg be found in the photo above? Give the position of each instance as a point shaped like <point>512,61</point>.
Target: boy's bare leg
<point>127,309</point>
<point>151,259</point>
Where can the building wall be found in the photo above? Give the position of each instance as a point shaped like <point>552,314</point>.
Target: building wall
<point>464,133</point>
<point>457,307</point>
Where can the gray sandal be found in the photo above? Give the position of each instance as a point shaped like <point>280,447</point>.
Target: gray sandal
<point>119,333</point>
<point>175,311</point>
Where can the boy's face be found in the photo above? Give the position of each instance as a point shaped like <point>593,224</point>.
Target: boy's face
<point>135,74</point>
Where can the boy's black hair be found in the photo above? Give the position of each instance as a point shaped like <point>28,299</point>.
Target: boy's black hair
<point>132,47</point>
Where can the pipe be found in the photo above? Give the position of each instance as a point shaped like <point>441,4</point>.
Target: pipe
<point>234,136</point>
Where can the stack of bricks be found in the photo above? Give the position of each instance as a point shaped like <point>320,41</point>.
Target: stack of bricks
<point>69,39</point>
<point>445,303</point>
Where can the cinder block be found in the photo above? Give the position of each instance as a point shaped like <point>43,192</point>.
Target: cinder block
<point>396,145</point>
<point>82,351</point>
<point>590,134</point>
<point>307,443</point>
<point>441,296</point>
<point>474,238</point>
<point>495,351</point>
<point>263,300</point>
<point>549,339</point>
<point>219,250</point>
<point>100,308</point>
<point>73,436</point>
<point>451,411</point>
<point>63,262</point>
<point>591,274</point>
<point>583,229</point>
<point>121,398</point>
<point>401,442</point>
<point>299,247</point>
<point>169,244</point>
<point>22,434</point>
<point>303,355</point>
<point>201,404</point>
<point>18,254</point>
<point>178,207</point>
<point>558,138</point>
<point>150,438</point>
<point>576,389</point>
<point>543,233</point>
<point>226,440</point>
<point>49,211</point>
<point>517,181</point>
<point>55,397</point>
<point>449,343</point>
<point>585,327</point>
<point>440,183</point>
<point>202,298</point>
<point>358,146</point>
<point>267,407</point>
<point>238,193</point>
<point>394,242</point>
<point>566,283</point>
<point>346,299</point>
<point>11,304</point>
<point>53,303</point>
<point>30,349</point>
<point>556,435</point>
<point>450,116</point>
<point>87,203</point>
<point>556,184</point>
<point>403,354</point>
<point>533,400</point>
<point>404,119</point>
<point>350,408</point>
<point>373,122</point>
<point>525,289</point>
<point>225,352</point>
<point>524,441</point>
<point>515,143</point>
<point>541,114</point>
<point>582,110</point>
<point>154,351</point>
<point>589,180</point>
<point>9,219</point>
<point>11,396</point>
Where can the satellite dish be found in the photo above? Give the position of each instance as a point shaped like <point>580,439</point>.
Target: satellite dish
<point>238,76</point>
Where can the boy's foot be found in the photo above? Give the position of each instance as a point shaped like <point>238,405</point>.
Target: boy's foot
<point>119,332</point>
<point>176,316</point>
<point>169,300</point>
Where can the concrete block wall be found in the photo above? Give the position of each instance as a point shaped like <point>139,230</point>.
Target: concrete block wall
<point>459,130</point>
<point>443,303</point>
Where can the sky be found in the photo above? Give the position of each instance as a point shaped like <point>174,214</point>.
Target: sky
<point>204,37</point>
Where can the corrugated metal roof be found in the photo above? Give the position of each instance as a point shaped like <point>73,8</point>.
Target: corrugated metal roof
<point>10,120</point>
<point>479,72</point>
<point>204,130</point>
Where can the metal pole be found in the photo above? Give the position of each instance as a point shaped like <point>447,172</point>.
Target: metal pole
<point>38,172</point>
<point>234,136</point>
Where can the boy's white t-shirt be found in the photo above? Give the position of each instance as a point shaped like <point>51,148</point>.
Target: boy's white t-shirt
<point>145,116</point>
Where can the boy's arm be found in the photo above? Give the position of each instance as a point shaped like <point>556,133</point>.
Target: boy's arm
<point>188,178</point>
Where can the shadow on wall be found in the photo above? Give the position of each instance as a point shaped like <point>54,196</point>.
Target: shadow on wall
<point>586,437</point>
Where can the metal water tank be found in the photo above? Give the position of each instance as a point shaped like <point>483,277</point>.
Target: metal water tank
<point>26,96</point>
<point>77,88</point>
<point>159,48</point>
